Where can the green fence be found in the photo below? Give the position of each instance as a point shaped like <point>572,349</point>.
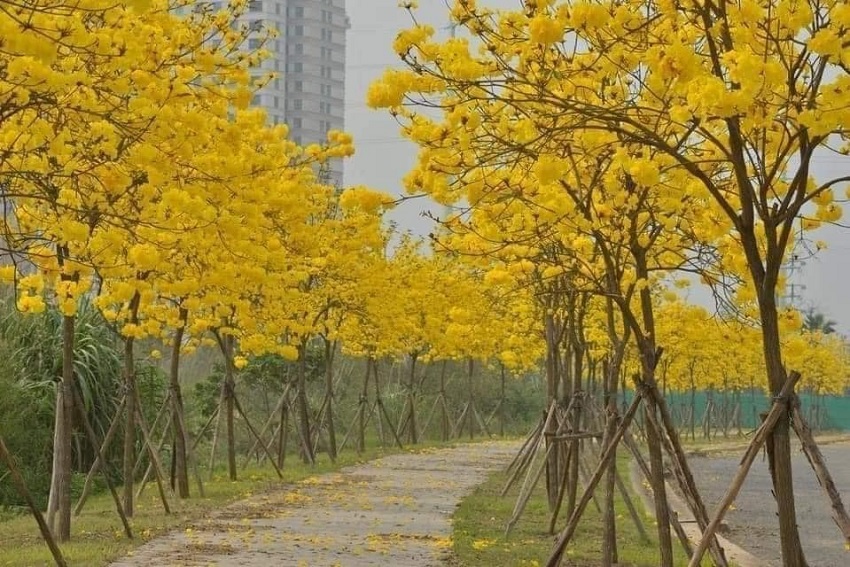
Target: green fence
<point>742,409</point>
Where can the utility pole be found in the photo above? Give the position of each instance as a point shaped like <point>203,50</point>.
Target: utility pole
<point>793,291</point>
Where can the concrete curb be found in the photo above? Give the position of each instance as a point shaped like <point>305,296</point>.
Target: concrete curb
<point>735,554</point>
<point>729,447</point>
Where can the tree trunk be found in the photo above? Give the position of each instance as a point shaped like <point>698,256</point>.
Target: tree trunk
<point>553,378</point>
<point>610,378</point>
<point>130,416</point>
<point>412,432</point>
<point>470,416</point>
<point>59,502</point>
<point>364,407</point>
<point>609,522</point>
<point>307,452</point>
<point>779,449</point>
<point>181,470</point>
<point>444,414</point>
<point>645,334</point>
<point>693,406</point>
<point>129,427</point>
<point>502,403</point>
<point>659,491</point>
<point>329,396</point>
<point>228,393</point>
<point>576,417</point>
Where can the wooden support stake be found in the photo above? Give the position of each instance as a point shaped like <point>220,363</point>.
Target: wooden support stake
<point>275,413</point>
<point>583,475</point>
<point>160,474</point>
<point>685,480</point>
<point>21,486</point>
<point>533,435</point>
<point>81,411</point>
<point>458,428</point>
<point>780,404</point>
<point>525,492</point>
<point>644,537</point>
<point>389,423</point>
<point>110,433</point>
<point>574,436</point>
<point>218,414</point>
<point>149,468</point>
<point>481,423</point>
<point>609,453</point>
<point>533,448</point>
<point>431,414</point>
<point>153,427</point>
<point>818,463</point>
<point>253,431</point>
<point>206,426</point>
<point>680,534</point>
<point>562,490</point>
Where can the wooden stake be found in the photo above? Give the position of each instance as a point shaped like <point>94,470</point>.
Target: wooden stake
<point>644,537</point>
<point>390,423</point>
<point>533,448</point>
<point>816,460</point>
<point>78,402</point>
<point>218,413</point>
<point>533,435</point>
<point>683,475</point>
<point>20,484</point>
<point>275,413</point>
<point>562,490</point>
<point>149,468</point>
<point>160,473</point>
<point>780,404</point>
<point>266,450</point>
<point>609,452</point>
<point>110,433</point>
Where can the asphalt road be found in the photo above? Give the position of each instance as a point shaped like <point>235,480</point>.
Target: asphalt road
<point>753,520</point>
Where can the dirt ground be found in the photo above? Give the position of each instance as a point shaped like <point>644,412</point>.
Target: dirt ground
<point>392,511</point>
<point>753,524</point>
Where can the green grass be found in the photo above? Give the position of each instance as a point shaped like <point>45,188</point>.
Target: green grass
<point>97,535</point>
<point>479,531</point>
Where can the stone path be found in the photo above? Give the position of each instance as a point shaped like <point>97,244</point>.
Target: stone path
<point>393,511</point>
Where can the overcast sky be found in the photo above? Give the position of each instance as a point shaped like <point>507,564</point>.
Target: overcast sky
<point>383,157</point>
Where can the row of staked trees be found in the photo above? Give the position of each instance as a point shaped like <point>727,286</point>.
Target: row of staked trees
<point>135,176</point>
<point>599,150</point>
<point>589,173</point>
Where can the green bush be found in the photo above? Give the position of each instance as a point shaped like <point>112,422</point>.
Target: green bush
<point>26,423</point>
<point>32,348</point>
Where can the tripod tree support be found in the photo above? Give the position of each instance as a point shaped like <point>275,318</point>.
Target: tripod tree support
<point>780,404</point>
<point>608,454</point>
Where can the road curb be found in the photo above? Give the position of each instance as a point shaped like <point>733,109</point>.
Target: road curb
<point>734,553</point>
<point>731,447</point>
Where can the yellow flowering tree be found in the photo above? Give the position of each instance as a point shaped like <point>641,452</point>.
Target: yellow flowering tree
<point>97,97</point>
<point>726,99</point>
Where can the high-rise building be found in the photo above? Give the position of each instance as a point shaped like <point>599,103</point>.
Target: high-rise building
<point>308,59</point>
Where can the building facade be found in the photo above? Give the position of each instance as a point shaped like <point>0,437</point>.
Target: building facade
<point>308,59</point>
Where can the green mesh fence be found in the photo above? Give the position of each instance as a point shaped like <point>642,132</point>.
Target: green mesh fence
<point>742,409</point>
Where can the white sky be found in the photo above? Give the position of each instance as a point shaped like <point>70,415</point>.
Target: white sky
<point>384,157</point>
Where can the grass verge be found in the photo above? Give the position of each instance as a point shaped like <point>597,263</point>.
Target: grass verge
<point>97,535</point>
<point>479,531</point>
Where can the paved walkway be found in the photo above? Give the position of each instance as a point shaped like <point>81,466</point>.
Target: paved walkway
<point>392,511</point>
<point>752,521</point>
